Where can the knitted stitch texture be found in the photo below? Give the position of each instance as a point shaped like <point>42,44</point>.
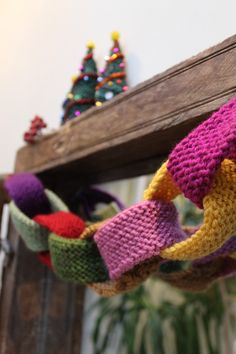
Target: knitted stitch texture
<point>118,254</point>
<point>194,279</point>
<point>71,256</point>
<point>228,247</point>
<point>136,234</point>
<point>62,223</point>
<point>219,218</point>
<point>77,260</point>
<point>34,235</point>
<point>162,186</point>
<point>28,194</point>
<point>128,281</point>
<point>201,277</point>
<point>195,160</point>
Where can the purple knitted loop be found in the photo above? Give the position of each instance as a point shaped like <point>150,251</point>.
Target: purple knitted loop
<point>137,234</point>
<point>195,160</point>
<point>88,198</point>
<point>28,194</point>
<point>228,267</point>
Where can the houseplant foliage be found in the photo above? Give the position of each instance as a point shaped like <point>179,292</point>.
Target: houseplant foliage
<point>134,323</point>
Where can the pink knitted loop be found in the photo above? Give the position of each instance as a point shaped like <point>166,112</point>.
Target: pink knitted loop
<point>137,234</point>
<point>194,161</point>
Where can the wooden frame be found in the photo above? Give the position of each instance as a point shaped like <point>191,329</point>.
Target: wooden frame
<point>124,138</point>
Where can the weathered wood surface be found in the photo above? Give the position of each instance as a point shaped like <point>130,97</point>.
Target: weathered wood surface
<point>128,135</point>
<point>3,195</point>
<point>39,314</point>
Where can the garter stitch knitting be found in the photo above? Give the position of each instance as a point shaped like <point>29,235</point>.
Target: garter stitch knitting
<point>30,199</point>
<point>195,160</point>
<point>219,218</point>
<point>200,277</point>
<point>137,234</point>
<point>118,254</point>
<point>71,256</point>
<point>34,235</point>
<point>227,249</point>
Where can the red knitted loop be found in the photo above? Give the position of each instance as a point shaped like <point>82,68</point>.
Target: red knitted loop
<point>62,223</point>
<point>44,258</point>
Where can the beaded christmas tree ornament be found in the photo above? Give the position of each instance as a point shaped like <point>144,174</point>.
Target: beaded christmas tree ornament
<point>81,96</point>
<point>112,79</point>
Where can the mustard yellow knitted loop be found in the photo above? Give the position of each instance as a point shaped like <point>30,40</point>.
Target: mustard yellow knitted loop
<point>219,222</point>
<point>91,229</point>
<point>162,186</point>
<point>232,255</point>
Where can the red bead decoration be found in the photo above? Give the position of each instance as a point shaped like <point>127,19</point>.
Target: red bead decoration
<point>37,124</point>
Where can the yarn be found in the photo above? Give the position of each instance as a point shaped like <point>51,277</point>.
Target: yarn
<point>119,253</point>
<point>71,256</point>
<point>34,235</point>
<point>137,234</point>
<point>31,200</point>
<point>219,218</point>
<point>77,260</point>
<point>62,223</point>
<point>195,160</point>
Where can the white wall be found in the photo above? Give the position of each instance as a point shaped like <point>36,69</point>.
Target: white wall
<point>42,43</point>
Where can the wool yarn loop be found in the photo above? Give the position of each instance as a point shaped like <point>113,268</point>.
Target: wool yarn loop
<point>119,253</point>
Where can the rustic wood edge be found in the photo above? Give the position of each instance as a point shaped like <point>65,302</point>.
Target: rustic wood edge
<point>187,113</point>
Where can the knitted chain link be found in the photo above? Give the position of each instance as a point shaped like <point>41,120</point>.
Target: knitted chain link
<point>34,236</point>
<point>118,254</point>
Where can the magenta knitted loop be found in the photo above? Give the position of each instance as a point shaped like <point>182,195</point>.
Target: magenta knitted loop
<point>195,160</point>
<point>137,234</point>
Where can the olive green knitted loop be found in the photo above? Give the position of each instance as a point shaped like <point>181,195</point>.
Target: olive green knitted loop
<point>77,260</point>
<point>34,235</point>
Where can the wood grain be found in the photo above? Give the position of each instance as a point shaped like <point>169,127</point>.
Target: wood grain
<point>38,312</point>
<point>143,124</point>
<point>3,195</point>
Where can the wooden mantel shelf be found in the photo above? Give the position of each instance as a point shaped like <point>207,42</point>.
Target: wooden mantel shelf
<point>130,134</point>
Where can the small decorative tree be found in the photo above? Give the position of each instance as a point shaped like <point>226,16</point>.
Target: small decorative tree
<point>81,96</point>
<point>35,130</point>
<point>112,80</point>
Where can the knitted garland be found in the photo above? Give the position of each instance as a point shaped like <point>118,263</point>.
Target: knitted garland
<point>118,254</point>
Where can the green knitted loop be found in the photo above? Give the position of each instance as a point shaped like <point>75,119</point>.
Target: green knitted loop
<point>77,260</point>
<point>56,203</point>
<point>34,235</point>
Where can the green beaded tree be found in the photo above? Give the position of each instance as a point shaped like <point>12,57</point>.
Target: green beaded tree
<point>112,80</point>
<point>81,96</point>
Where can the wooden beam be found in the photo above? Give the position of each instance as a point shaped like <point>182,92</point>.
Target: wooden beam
<point>119,139</point>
